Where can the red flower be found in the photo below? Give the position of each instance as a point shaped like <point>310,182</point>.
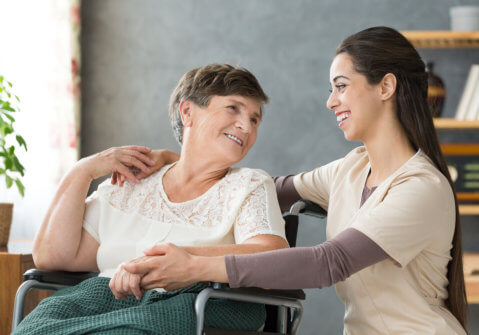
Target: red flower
<point>75,14</point>
<point>74,68</point>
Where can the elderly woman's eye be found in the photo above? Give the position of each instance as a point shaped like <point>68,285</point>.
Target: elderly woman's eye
<point>254,120</point>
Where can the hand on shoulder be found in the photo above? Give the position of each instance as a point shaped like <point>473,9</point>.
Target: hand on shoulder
<point>117,160</point>
<point>159,158</point>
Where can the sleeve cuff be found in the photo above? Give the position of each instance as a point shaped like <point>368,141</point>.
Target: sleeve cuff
<point>398,261</point>
<point>90,230</point>
<point>231,271</point>
<point>298,186</point>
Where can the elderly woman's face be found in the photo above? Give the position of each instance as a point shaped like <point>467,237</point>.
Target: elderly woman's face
<point>226,128</point>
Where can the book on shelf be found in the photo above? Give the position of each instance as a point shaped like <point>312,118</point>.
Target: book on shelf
<point>474,104</point>
<point>468,108</point>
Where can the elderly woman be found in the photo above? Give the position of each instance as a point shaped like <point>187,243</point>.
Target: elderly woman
<point>199,203</point>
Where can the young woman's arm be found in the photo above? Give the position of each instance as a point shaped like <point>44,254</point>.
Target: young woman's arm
<point>61,243</point>
<point>287,193</point>
<point>125,283</point>
<point>309,267</point>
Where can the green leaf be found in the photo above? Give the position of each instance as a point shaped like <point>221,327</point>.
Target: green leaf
<point>8,181</point>
<point>21,142</point>
<point>8,108</point>
<point>21,188</point>
<point>7,129</point>
<point>18,166</point>
<point>8,116</point>
<point>11,164</point>
<point>8,163</point>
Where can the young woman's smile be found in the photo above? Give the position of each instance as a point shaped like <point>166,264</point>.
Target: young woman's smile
<point>341,117</point>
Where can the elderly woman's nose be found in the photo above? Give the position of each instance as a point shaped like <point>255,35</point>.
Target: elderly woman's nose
<point>244,123</point>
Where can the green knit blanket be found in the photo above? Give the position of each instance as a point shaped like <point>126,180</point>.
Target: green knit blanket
<point>90,307</point>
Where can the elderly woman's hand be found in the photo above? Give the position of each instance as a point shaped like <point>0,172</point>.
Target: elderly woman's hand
<point>159,158</point>
<point>124,283</point>
<point>117,160</point>
<point>171,268</point>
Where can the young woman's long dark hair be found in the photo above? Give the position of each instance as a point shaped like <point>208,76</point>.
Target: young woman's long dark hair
<point>380,50</point>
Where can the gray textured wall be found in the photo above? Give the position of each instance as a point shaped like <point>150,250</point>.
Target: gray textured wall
<point>134,52</point>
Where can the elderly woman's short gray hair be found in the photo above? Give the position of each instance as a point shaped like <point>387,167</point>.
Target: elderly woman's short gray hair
<point>200,84</point>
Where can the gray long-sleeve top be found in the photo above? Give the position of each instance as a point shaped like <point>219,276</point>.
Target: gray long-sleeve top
<point>306,267</point>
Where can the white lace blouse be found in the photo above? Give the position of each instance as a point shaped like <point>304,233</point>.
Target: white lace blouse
<point>126,220</point>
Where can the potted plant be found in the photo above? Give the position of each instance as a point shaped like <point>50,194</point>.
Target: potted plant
<point>10,140</point>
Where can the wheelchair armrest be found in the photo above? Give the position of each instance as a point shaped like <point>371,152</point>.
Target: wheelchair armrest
<point>308,208</point>
<point>58,277</point>
<point>290,294</point>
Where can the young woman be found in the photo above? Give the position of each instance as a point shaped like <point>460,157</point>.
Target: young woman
<point>394,238</point>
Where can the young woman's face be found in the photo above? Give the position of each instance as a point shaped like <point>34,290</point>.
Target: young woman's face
<point>355,103</point>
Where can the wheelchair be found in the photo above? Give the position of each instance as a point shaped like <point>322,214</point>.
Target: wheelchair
<point>283,307</point>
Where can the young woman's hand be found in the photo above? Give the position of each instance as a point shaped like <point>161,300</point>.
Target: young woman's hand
<point>124,283</point>
<point>160,158</point>
<point>169,267</point>
<point>118,160</point>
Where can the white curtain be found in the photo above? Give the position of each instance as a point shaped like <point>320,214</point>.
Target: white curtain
<point>41,57</point>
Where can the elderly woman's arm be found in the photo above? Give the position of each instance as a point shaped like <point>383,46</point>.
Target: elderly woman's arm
<point>57,243</point>
<point>258,243</point>
<point>61,243</point>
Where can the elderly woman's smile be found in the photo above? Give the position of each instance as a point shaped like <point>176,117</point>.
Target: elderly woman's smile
<point>235,139</point>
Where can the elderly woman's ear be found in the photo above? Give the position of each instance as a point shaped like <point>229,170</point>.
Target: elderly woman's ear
<point>185,109</point>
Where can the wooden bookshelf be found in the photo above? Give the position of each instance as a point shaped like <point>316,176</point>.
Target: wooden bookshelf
<point>443,123</point>
<point>471,263</point>
<point>443,39</point>
<point>469,209</point>
<point>453,40</point>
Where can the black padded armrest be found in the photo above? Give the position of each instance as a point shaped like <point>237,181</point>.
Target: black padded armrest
<point>291,294</point>
<point>313,209</point>
<point>58,277</point>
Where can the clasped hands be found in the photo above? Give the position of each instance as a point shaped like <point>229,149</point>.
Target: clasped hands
<point>163,266</point>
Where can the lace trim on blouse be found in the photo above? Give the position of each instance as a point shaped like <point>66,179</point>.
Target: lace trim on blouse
<point>240,197</point>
